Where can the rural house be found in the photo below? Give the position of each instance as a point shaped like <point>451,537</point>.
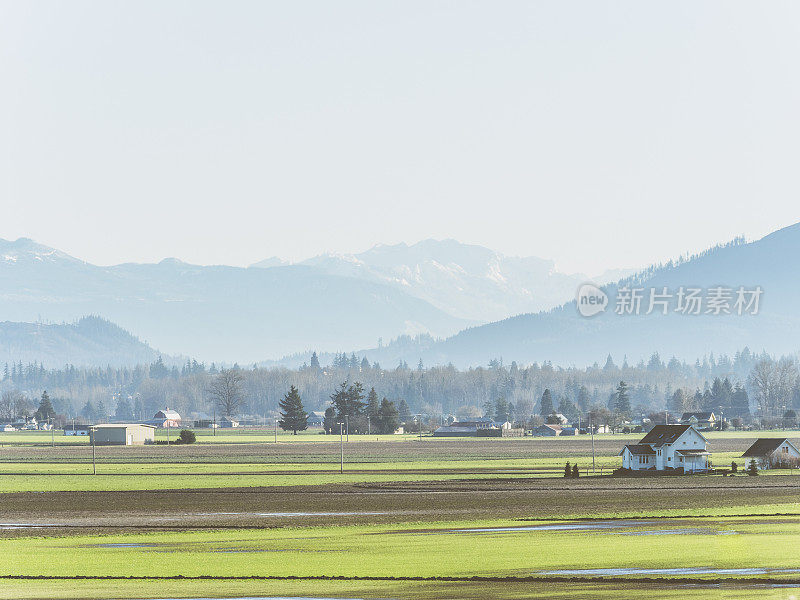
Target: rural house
<point>668,447</point>
<point>702,420</point>
<point>767,453</point>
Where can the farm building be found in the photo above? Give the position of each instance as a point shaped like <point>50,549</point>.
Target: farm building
<point>668,447</point>
<point>478,427</point>
<point>165,418</point>
<point>228,422</point>
<point>767,453</point>
<point>703,420</point>
<point>547,430</point>
<point>122,434</point>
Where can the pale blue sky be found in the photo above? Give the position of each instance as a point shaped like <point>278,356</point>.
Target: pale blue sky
<point>600,134</point>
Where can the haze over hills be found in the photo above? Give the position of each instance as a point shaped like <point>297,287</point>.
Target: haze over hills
<point>341,303</point>
<point>564,337</point>
<point>214,313</point>
<point>467,281</point>
<point>91,341</point>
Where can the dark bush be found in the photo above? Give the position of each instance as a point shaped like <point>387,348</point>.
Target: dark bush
<point>187,436</point>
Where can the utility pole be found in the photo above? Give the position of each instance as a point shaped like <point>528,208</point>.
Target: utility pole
<point>168,423</point>
<point>52,433</point>
<point>341,445</point>
<point>347,426</point>
<point>93,432</point>
<point>214,424</point>
<point>369,426</point>
<point>276,431</point>
<point>591,428</point>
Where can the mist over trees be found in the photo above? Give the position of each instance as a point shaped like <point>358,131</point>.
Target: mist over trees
<point>736,385</point>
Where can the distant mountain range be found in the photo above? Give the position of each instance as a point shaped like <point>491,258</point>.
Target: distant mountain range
<point>213,312</point>
<point>467,281</point>
<point>89,341</point>
<point>563,336</point>
<point>330,302</point>
<point>432,294</point>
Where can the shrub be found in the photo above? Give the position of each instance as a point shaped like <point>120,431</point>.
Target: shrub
<point>567,471</point>
<point>187,436</point>
<point>734,467</point>
<point>575,472</point>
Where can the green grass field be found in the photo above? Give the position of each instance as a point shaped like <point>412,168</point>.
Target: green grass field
<point>405,514</point>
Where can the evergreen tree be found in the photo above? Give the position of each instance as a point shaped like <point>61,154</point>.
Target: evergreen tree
<point>583,397</point>
<point>101,414</point>
<point>372,405</point>
<point>546,404</point>
<point>294,416</point>
<point>348,401</point>
<point>575,472</point>
<point>622,405</point>
<point>314,361</point>
<point>678,401</point>
<point>88,411</point>
<point>388,417</point>
<point>567,471</point>
<point>45,410</point>
<point>329,424</point>
<point>405,412</point>
<point>124,411</point>
<point>502,410</point>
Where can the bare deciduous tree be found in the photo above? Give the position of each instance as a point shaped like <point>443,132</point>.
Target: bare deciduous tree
<point>225,390</point>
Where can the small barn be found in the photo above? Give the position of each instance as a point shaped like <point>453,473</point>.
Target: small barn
<point>547,430</point>
<point>165,418</point>
<point>122,434</point>
<point>769,453</point>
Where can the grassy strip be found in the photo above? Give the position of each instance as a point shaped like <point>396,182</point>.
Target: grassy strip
<point>420,551</point>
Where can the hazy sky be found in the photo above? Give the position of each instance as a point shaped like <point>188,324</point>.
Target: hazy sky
<point>600,134</point>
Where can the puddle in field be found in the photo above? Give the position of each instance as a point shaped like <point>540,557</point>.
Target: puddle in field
<point>587,526</point>
<point>677,571</point>
<point>607,527</point>
<point>25,525</point>
<point>684,531</point>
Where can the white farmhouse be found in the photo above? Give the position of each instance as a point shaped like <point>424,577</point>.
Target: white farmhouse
<point>772,452</point>
<point>668,447</point>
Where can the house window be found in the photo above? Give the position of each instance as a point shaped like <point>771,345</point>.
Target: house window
<point>680,459</point>
<point>659,451</point>
<point>785,449</point>
<point>669,458</point>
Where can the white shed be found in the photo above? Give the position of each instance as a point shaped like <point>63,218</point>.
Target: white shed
<point>122,434</point>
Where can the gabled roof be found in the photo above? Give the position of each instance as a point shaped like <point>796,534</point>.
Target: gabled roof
<point>665,434</point>
<point>638,449</point>
<point>766,446</point>
<point>700,416</point>
<point>167,413</point>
